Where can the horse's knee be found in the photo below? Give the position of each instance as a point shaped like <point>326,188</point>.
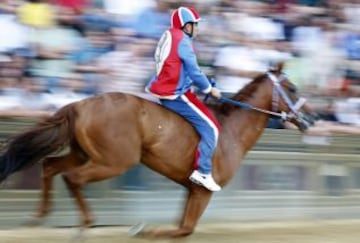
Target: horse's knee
<point>48,171</point>
<point>73,179</point>
<point>51,167</point>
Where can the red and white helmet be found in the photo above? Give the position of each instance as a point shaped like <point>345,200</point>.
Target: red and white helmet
<point>184,15</point>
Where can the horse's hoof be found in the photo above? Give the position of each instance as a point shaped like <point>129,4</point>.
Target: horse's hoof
<point>137,229</point>
<point>34,222</point>
<point>80,236</point>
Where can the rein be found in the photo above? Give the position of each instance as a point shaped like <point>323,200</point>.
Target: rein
<point>281,115</point>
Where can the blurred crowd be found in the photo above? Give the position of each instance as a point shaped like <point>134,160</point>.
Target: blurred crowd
<point>53,52</point>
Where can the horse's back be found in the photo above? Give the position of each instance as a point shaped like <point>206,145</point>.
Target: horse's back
<point>121,107</point>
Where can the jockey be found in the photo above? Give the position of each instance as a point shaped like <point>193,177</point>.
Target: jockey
<point>177,71</point>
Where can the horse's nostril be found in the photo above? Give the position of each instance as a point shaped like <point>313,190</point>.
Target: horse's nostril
<point>303,125</point>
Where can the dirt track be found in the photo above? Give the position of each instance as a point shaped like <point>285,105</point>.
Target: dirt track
<point>294,232</point>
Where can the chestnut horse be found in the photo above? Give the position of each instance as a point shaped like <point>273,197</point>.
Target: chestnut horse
<point>109,133</point>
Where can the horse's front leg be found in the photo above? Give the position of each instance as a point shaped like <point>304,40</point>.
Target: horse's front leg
<point>197,200</point>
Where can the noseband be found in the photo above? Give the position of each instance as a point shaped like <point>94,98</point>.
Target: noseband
<point>278,92</point>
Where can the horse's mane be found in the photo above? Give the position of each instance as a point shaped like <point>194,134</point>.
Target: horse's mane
<point>243,94</point>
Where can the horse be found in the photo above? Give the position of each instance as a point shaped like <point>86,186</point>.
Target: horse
<point>107,134</point>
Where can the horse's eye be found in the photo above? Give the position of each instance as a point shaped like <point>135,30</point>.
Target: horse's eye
<point>292,89</point>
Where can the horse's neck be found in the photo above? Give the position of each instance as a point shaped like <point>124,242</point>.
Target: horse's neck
<point>240,131</point>
<point>243,129</point>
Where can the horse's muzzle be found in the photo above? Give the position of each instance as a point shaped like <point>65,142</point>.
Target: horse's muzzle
<point>306,120</point>
<point>303,125</point>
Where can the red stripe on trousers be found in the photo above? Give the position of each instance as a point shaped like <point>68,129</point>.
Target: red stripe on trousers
<point>201,106</point>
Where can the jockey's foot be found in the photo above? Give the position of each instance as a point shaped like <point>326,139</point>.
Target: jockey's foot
<point>205,180</point>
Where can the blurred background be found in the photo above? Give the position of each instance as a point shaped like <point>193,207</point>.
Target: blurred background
<point>58,51</point>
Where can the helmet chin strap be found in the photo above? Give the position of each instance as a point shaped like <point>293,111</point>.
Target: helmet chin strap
<point>192,29</point>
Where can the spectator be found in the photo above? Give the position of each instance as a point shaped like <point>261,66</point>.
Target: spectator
<point>76,6</point>
<point>36,14</point>
<point>53,64</point>
<point>128,68</point>
<point>16,34</point>
<point>96,44</point>
<point>319,55</point>
<point>153,21</point>
<point>351,44</point>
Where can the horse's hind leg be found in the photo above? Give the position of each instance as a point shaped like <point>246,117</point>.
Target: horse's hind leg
<point>90,172</point>
<point>197,201</point>
<point>52,166</point>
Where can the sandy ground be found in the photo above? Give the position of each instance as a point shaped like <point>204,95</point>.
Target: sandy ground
<point>268,232</point>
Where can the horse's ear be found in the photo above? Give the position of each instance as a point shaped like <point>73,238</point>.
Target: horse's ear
<point>276,67</point>
<point>279,67</point>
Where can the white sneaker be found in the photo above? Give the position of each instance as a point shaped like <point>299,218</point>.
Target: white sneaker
<point>205,180</point>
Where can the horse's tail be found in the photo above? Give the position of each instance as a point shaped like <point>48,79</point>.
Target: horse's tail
<point>48,136</point>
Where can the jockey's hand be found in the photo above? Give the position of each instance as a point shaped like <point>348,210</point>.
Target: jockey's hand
<point>215,92</point>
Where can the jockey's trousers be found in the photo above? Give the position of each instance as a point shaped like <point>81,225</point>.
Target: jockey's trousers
<point>195,112</point>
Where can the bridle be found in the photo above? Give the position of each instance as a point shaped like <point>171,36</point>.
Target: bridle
<point>278,92</point>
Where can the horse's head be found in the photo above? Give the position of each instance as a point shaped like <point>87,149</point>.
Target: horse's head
<point>287,101</point>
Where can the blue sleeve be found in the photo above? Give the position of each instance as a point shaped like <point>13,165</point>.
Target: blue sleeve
<point>188,57</point>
